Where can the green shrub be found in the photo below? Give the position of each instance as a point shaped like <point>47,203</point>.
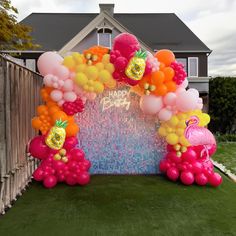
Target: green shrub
<point>226,137</point>
<point>222,105</point>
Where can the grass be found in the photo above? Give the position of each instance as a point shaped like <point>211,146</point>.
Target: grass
<point>124,205</point>
<point>226,155</point>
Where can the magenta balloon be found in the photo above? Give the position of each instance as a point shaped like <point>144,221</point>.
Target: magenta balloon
<point>173,173</point>
<point>50,181</point>
<point>61,178</point>
<point>173,157</point>
<point>47,62</point>
<point>58,165</point>
<point>201,179</point>
<point>77,154</point>
<point>83,178</point>
<point>38,174</point>
<point>215,179</point>
<point>38,148</point>
<point>121,63</point>
<point>70,179</point>
<point>197,167</point>
<point>87,164</point>
<point>212,149</point>
<point>187,177</point>
<point>190,155</point>
<point>163,166</point>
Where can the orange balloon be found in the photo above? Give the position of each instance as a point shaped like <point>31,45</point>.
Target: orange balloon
<point>165,56</point>
<point>53,109</point>
<point>169,73</point>
<point>72,129</point>
<point>137,89</point>
<point>162,66</point>
<point>36,123</point>
<point>41,109</point>
<point>171,86</point>
<point>59,115</point>
<point>71,119</point>
<point>161,90</point>
<point>144,80</point>
<point>157,78</point>
<point>51,103</point>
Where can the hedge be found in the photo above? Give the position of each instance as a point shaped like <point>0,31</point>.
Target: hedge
<point>222,105</point>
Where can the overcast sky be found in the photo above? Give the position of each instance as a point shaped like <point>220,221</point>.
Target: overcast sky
<point>213,21</point>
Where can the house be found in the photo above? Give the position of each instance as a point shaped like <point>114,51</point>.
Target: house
<point>67,32</point>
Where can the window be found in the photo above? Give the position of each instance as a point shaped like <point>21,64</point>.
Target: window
<point>183,61</point>
<point>193,66</point>
<point>104,37</point>
<point>30,63</point>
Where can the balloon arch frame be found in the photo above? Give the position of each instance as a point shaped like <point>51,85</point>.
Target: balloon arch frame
<point>158,79</point>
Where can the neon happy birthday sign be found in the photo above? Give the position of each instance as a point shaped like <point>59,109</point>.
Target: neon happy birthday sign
<point>159,80</point>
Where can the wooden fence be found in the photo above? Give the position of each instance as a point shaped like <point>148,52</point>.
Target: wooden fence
<point>19,97</point>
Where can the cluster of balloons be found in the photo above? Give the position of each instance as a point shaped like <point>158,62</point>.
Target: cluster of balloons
<point>191,166</point>
<point>68,165</point>
<point>157,78</point>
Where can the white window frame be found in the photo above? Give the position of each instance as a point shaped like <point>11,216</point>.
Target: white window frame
<point>196,58</point>
<point>98,39</point>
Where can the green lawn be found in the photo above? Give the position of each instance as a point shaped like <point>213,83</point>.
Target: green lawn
<point>226,155</point>
<point>124,205</point>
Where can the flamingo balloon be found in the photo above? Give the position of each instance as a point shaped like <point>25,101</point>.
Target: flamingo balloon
<point>197,135</point>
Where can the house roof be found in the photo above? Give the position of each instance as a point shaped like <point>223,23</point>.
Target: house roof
<point>162,30</point>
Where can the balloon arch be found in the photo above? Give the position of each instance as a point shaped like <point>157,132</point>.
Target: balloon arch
<point>158,79</point>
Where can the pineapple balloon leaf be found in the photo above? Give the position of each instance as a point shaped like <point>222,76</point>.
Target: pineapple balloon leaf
<point>57,134</point>
<point>136,66</point>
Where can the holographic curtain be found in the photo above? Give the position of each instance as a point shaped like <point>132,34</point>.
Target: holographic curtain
<point>117,137</point>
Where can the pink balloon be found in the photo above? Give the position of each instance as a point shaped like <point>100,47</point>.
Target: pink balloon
<point>151,104</point>
<point>173,173</point>
<point>187,177</point>
<point>70,143</point>
<point>184,84</point>
<point>47,62</point>
<point>58,165</point>
<point>38,174</point>
<point>50,181</point>
<point>197,167</point>
<point>86,164</point>
<point>69,96</point>
<point>215,179</point>
<point>83,178</point>
<point>61,72</point>
<point>201,179</point>
<point>164,114</point>
<point>163,166</point>
<point>194,92</point>
<point>121,63</point>
<point>56,95</point>
<point>212,149</point>
<point>61,102</point>
<point>68,85</point>
<point>77,154</point>
<point>186,101</point>
<point>170,99</point>
<point>173,157</point>
<point>38,147</point>
<point>47,80</point>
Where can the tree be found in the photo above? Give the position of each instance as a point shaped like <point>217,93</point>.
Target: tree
<point>13,35</point>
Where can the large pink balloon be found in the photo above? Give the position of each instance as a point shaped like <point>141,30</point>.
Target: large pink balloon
<point>151,104</point>
<point>50,181</point>
<point>61,72</point>
<point>173,173</point>
<point>47,62</point>
<point>186,101</point>
<point>83,178</point>
<point>201,179</point>
<point>170,99</point>
<point>38,174</point>
<point>215,179</point>
<point>164,114</point>
<point>38,148</point>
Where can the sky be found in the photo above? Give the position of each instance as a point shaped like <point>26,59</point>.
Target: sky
<point>213,21</point>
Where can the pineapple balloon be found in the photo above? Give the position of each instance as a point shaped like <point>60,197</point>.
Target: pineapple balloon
<point>136,66</point>
<point>57,134</point>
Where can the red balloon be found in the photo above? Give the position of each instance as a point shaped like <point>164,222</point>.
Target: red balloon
<point>201,179</point>
<point>169,148</point>
<point>163,166</point>
<point>173,173</point>
<point>83,178</point>
<point>38,174</point>
<point>215,179</point>
<point>38,147</point>
<point>86,164</point>
<point>197,167</point>
<point>70,143</point>
<point>187,177</point>
<point>70,179</point>
<point>58,165</point>
<point>50,181</point>
<point>173,157</point>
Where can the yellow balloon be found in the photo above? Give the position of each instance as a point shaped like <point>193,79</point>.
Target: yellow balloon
<point>162,132</point>
<point>98,87</point>
<point>181,124</point>
<point>104,76</point>
<point>172,139</point>
<point>179,131</point>
<point>110,67</point>
<point>173,121</point>
<point>106,59</point>
<point>81,68</point>
<point>78,57</point>
<point>69,62</point>
<point>81,79</point>
<point>91,72</point>
<point>183,141</point>
<point>100,66</point>
<point>111,83</point>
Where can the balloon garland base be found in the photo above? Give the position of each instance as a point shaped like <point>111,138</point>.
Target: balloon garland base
<point>191,166</point>
<point>159,80</point>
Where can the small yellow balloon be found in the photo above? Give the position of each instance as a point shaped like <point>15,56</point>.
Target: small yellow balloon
<point>81,79</point>
<point>173,121</point>
<point>172,139</point>
<point>179,131</point>
<point>162,132</point>
<point>98,87</point>
<point>100,66</point>
<point>104,76</point>
<point>183,141</point>
<point>91,72</point>
<point>106,59</point>
<point>110,67</point>
<point>181,124</point>
<point>81,68</point>
<point>111,84</point>
<point>69,62</point>
<point>177,147</point>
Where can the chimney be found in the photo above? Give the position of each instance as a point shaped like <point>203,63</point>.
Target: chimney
<point>109,8</point>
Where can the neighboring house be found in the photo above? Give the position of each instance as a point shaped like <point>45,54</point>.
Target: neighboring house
<point>67,32</point>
